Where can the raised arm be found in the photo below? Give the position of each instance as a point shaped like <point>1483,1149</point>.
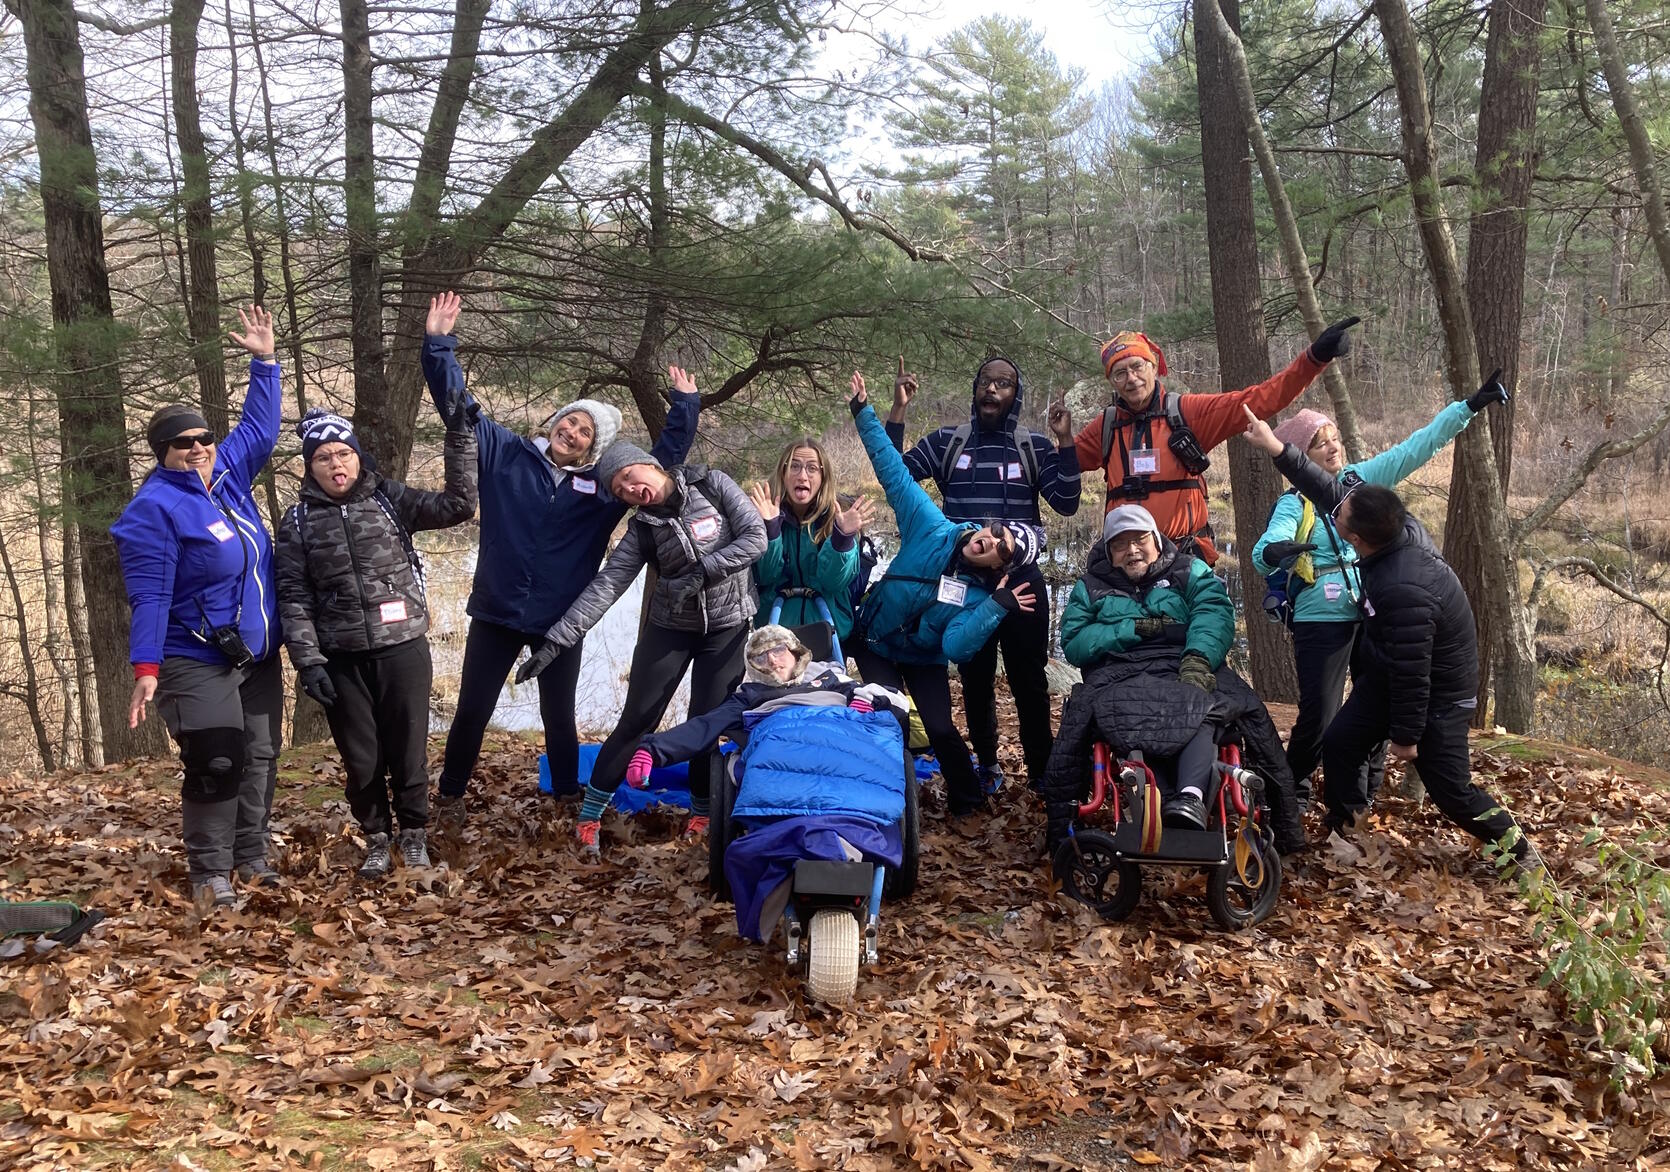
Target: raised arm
<point>1215,418</point>
<point>913,508</point>
<point>678,433</point>
<point>1324,491</point>
<point>250,444</point>
<point>1398,461</point>
<point>456,502</point>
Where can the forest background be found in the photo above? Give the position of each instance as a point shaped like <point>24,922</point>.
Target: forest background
<point>775,194</point>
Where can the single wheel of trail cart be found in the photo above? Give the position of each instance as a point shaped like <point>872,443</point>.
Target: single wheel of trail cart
<point>832,969</point>
<point>720,829</point>
<point>1239,901</point>
<point>1091,871</point>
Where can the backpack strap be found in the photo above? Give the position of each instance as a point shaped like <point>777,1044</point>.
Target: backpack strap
<point>1029,457</point>
<point>412,555</point>
<point>953,450</point>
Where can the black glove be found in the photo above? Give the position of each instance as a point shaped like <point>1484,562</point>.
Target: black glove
<point>1006,599</point>
<point>538,662</point>
<point>1333,342</point>
<point>1491,392</point>
<point>1197,673</point>
<point>316,682</point>
<point>1278,552</point>
<point>458,411</point>
<point>1150,625</point>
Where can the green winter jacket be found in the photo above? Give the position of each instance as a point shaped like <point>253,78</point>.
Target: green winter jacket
<point>1100,619</point>
<point>1333,597</point>
<point>795,560</point>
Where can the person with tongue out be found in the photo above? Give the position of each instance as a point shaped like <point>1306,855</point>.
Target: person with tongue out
<point>351,597</point>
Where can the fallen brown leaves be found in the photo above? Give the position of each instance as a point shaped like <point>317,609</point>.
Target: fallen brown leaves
<point>517,1010</point>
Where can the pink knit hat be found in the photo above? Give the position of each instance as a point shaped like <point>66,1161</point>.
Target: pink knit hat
<point>1301,428</point>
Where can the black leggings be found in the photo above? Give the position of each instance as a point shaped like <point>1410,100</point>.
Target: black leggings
<point>929,686</point>
<point>658,664</point>
<point>1025,641</point>
<point>1323,653</point>
<point>490,651</point>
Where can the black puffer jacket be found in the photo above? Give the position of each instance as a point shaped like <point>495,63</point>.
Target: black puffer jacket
<point>1110,706</point>
<point>346,582</point>
<point>1418,638</point>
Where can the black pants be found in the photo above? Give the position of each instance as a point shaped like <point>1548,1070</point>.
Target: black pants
<point>1441,755</point>
<point>490,652</point>
<point>1191,766</point>
<point>380,723</point>
<point>658,664</point>
<point>929,686</point>
<point>1024,639</point>
<point>1324,654</point>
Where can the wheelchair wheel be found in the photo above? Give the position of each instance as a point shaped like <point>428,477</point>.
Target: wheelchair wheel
<point>832,966</point>
<point>1236,904</point>
<point>1091,871</point>
<point>720,829</point>
<point>901,881</point>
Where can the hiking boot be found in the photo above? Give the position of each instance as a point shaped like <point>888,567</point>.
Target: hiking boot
<point>1184,812</point>
<point>258,873</point>
<point>450,813</point>
<point>414,848</point>
<point>377,860</point>
<point>990,778</point>
<point>586,833</point>
<point>695,828</point>
<point>213,889</point>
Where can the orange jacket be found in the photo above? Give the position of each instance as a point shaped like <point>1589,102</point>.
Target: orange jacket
<point>1179,503</point>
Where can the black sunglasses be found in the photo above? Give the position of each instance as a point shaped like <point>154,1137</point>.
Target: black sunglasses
<point>184,443</point>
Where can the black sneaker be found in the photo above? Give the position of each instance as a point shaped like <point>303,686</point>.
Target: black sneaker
<point>1184,812</point>
<point>450,813</point>
<point>414,848</point>
<point>377,858</point>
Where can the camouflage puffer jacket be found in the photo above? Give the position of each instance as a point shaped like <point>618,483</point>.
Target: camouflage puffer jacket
<point>348,578</point>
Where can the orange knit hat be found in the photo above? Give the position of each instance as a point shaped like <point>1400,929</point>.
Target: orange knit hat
<point>1127,344</point>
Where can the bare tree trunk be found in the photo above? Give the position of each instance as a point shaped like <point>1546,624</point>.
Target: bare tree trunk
<point>92,423</point>
<point>1237,93</point>
<point>1635,130</point>
<point>246,181</point>
<point>81,639</point>
<point>57,653</point>
<point>204,300</point>
<point>281,215</point>
<point>1516,690</point>
<point>31,681</point>
<point>359,165</point>
<point>643,374</point>
<point>1496,246</point>
<point>1237,310</point>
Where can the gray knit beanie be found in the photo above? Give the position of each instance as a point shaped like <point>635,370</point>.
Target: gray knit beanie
<point>620,454</point>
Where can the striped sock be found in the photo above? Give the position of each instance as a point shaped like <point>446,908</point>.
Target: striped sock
<point>698,806</point>
<point>594,803</point>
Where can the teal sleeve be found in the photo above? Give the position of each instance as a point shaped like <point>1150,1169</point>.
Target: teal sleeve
<point>1397,462</point>
<point>1284,526</point>
<point>971,630</point>
<point>913,508</point>
<point>1211,617</point>
<point>834,569</point>
<point>768,571</point>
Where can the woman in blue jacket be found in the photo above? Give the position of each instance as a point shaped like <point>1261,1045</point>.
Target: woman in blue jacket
<point>1323,584</point>
<point>941,598</point>
<point>812,543</point>
<point>198,566</point>
<point>545,527</point>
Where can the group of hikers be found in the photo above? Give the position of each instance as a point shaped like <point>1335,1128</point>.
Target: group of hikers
<point>1150,624</point>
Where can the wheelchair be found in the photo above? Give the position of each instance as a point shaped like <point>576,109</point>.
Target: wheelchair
<point>1102,867</point>
<point>832,915</point>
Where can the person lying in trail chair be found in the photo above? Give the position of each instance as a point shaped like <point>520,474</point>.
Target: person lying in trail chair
<point>1149,624</point>
<point>821,761</point>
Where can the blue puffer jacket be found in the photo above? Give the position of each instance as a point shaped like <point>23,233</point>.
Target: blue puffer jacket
<point>543,531</point>
<point>902,619</point>
<point>192,555</point>
<point>824,760</point>
<point>1333,596</point>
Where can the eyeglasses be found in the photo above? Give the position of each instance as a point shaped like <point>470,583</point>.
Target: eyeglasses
<point>802,468</point>
<point>996,384</point>
<point>327,459</point>
<point>765,655</point>
<point>1131,539</point>
<point>1127,374</point>
<point>184,443</point>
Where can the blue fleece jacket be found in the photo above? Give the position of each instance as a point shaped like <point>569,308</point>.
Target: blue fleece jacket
<point>1333,597</point>
<point>191,556</point>
<point>543,531</point>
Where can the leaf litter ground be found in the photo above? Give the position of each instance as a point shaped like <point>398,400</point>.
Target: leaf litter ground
<point>514,1008</point>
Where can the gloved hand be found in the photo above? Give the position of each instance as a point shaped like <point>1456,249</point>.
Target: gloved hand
<point>316,682</point>
<point>458,411</point>
<point>1333,342</point>
<point>1150,625</point>
<point>538,661</point>
<point>685,588</point>
<point>637,769</point>
<point>1492,391</point>
<point>860,704</point>
<point>1197,673</point>
<point>1278,552</point>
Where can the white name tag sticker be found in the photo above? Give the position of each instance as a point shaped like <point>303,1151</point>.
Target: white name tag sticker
<point>1144,461</point>
<point>1014,471</point>
<point>705,529</point>
<point>221,530</point>
<point>965,461</point>
<point>1331,590</point>
<point>394,612</point>
<point>952,591</point>
<point>581,484</point>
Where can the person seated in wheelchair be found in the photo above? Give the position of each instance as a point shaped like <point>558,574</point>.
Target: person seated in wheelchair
<point>1150,625</point>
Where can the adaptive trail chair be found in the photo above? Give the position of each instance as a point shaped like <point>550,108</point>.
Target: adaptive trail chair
<point>57,922</point>
<point>1103,867</point>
